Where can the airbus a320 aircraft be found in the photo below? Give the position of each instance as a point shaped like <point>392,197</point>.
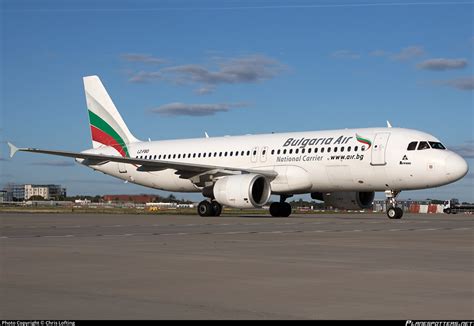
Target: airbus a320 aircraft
<point>341,167</point>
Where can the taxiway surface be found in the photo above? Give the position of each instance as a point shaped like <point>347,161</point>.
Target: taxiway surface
<point>359,266</point>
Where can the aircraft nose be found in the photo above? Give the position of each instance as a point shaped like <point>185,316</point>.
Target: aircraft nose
<point>456,166</point>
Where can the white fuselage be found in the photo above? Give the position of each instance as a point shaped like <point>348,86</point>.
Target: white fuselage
<point>319,161</point>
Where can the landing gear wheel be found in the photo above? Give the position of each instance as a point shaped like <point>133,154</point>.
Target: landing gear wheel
<point>205,208</point>
<point>394,213</point>
<point>275,209</point>
<point>285,210</point>
<point>216,208</point>
<point>399,212</point>
<point>280,209</point>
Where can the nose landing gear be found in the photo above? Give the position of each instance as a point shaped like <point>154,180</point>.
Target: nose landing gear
<point>393,212</point>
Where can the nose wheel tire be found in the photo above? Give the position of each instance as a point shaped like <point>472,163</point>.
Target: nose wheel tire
<point>394,213</point>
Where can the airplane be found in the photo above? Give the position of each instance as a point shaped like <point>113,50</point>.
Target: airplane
<point>344,168</point>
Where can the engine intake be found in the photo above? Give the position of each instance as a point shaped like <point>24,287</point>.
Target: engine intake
<point>242,191</point>
<point>346,199</point>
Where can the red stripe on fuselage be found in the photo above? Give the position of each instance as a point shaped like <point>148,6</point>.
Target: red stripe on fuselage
<point>107,140</point>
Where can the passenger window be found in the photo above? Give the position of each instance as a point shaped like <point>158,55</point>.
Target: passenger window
<point>342,149</point>
<point>423,145</point>
<point>291,150</point>
<point>335,149</point>
<point>309,151</point>
<point>296,151</point>
<point>329,149</point>
<point>215,154</point>
<point>278,152</point>
<point>322,150</point>
<point>199,155</point>
<point>248,153</point>
<point>363,148</point>
<point>194,155</point>
<point>349,149</point>
<point>231,153</point>
<point>220,154</point>
<point>284,151</point>
<point>254,152</point>
<point>242,153</point>
<point>273,151</point>
<point>264,151</point>
<point>236,153</point>
<point>302,151</point>
<point>356,148</point>
<point>412,146</point>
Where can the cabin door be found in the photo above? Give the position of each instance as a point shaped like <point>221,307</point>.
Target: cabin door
<point>379,148</point>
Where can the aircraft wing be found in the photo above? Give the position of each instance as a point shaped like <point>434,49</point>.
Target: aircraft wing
<point>195,172</point>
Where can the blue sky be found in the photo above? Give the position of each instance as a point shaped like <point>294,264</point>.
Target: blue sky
<point>231,67</point>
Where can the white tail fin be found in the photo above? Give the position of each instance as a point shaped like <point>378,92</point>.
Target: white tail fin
<point>107,126</point>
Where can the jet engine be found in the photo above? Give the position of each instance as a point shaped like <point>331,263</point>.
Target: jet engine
<point>242,191</point>
<point>346,199</point>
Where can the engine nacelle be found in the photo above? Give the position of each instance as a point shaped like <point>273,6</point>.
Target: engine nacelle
<point>346,199</point>
<point>242,191</point>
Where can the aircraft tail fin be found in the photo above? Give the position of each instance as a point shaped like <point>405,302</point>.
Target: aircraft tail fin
<point>106,123</point>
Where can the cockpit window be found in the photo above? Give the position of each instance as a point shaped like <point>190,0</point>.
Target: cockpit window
<point>412,146</point>
<point>423,145</point>
<point>436,145</point>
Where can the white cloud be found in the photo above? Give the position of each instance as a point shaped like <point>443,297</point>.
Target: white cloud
<point>244,69</point>
<point>345,54</point>
<point>195,110</point>
<point>142,58</point>
<point>466,150</point>
<point>461,83</point>
<point>408,53</point>
<point>439,64</point>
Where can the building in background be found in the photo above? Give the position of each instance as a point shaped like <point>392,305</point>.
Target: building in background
<point>22,192</point>
<point>3,196</point>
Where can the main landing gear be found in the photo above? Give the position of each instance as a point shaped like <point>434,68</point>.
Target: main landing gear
<point>393,212</point>
<point>281,209</point>
<point>209,208</point>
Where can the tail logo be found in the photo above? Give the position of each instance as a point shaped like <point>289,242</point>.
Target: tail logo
<point>364,141</point>
<point>103,133</point>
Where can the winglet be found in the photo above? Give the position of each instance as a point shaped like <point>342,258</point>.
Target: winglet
<point>389,125</point>
<point>205,134</point>
<point>13,149</point>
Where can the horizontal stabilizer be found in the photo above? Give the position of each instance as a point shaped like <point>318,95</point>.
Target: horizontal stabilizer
<point>13,149</point>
